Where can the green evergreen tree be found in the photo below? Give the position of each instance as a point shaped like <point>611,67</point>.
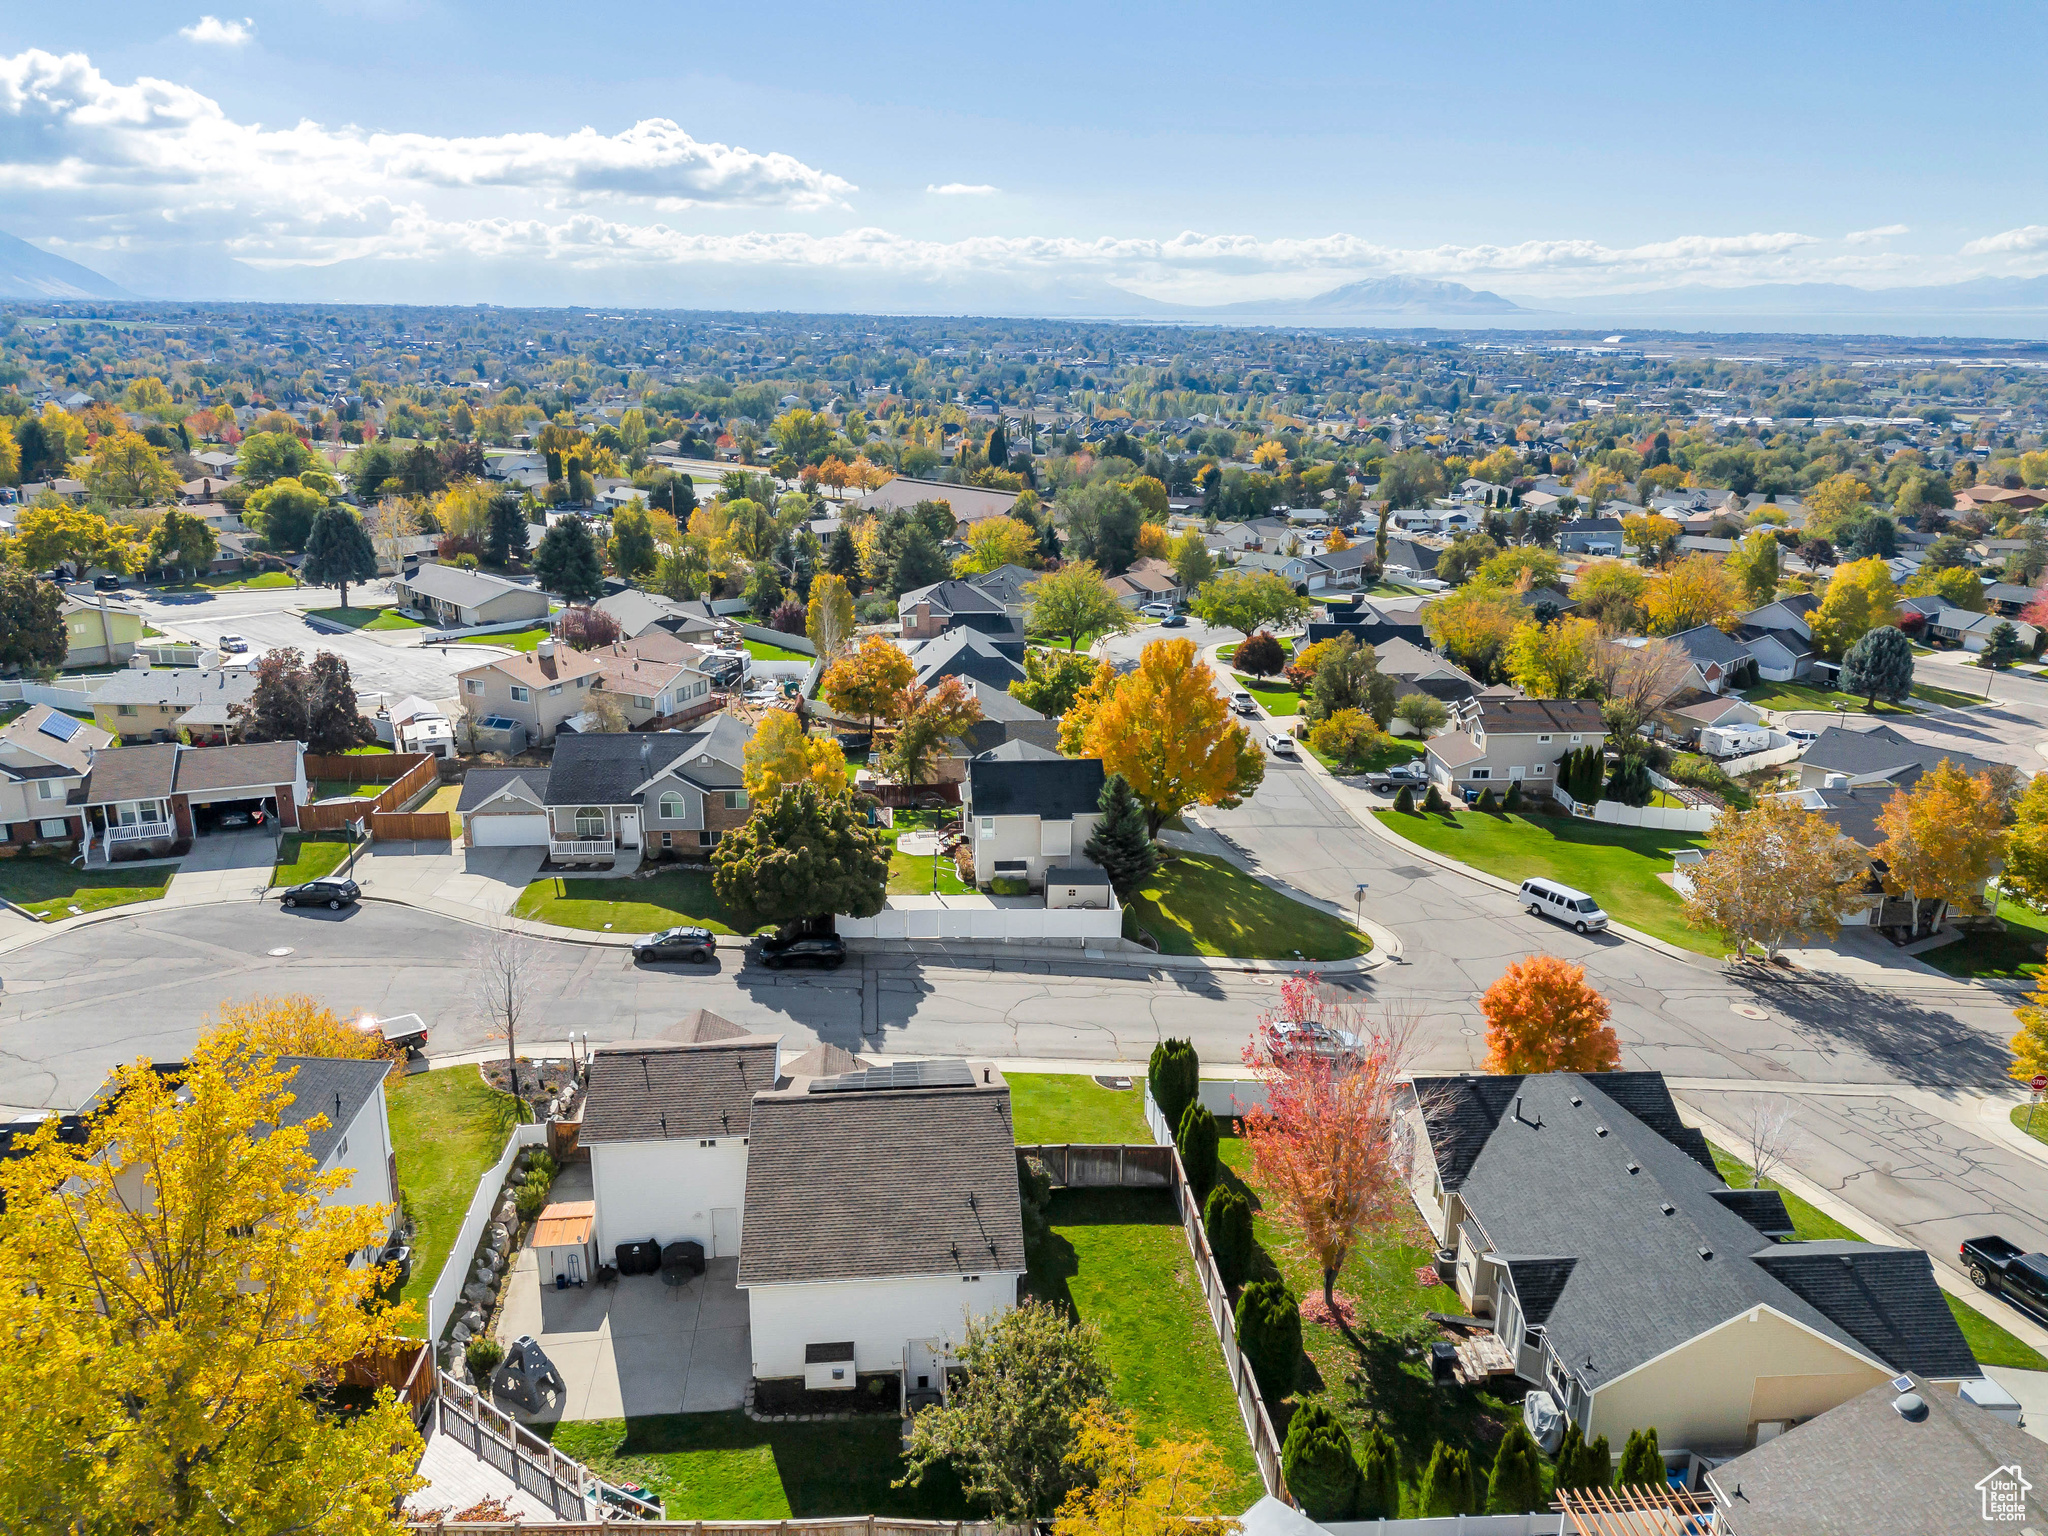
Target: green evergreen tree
<point>338,552</point>
<point>1269,1333</point>
<point>1879,666</point>
<point>1317,1462</point>
<point>567,562</point>
<point>1487,804</point>
<point>505,531</point>
<point>1596,1463</point>
<point>1630,781</point>
<point>1227,1220</point>
<point>1513,800</point>
<point>1196,1138</point>
<point>1379,1481</point>
<point>1433,802</point>
<point>843,559</point>
<point>803,857</point>
<point>1516,1486</point>
<point>2003,648</point>
<point>1565,1464</point>
<point>1447,1483</point>
<point>1404,802</point>
<point>1642,1465</point>
<point>1175,1077</point>
<point>1122,841</point>
<point>764,590</point>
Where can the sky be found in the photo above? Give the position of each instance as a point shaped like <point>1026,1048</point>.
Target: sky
<point>1050,155</point>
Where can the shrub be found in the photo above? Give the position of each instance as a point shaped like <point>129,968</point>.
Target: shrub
<point>1269,1333</point>
<point>1175,1076</point>
<point>1009,885</point>
<point>1516,1486</point>
<point>1034,1198</point>
<point>1196,1137</point>
<point>531,1200</point>
<point>1404,802</point>
<point>1348,737</point>
<point>1641,1462</point>
<point>1705,773</point>
<point>1433,802</point>
<point>1422,713</point>
<point>1487,803</point>
<point>1379,1481</point>
<point>1513,802</point>
<point>482,1355</point>
<point>1261,655</point>
<point>1227,1219</point>
<point>1316,1459</point>
<point>1447,1483</point>
<point>1629,782</point>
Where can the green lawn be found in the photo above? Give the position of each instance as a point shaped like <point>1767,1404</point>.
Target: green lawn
<point>1118,1258</point>
<point>263,579</point>
<point>1057,1107</point>
<point>49,885</point>
<point>447,1127</point>
<point>382,617</point>
<point>1807,696</point>
<point>910,874</point>
<point>308,858</point>
<point>1275,697</point>
<point>369,751</point>
<point>2032,1120</point>
<point>1616,866</point>
<point>673,899</point>
<point>761,650</point>
<point>1199,905</point>
<point>724,1466</point>
<point>1390,751</point>
<point>339,789</point>
<point>1991,1344</point>
<point>2014,954</point>
<point>513,639</point>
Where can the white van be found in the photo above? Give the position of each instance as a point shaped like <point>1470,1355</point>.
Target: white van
<point>1546,898</point>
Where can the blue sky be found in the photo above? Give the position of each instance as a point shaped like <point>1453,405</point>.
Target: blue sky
<point>1196,153</point>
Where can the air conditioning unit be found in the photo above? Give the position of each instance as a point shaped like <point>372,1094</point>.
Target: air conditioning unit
<point>828,1367</point>
<point>1768,1430</point>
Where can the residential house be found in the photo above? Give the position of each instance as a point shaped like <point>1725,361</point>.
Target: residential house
<point>1147,581</point>
<point>1876,756</point>
<point>964,653</point>
<point>1719,660</point>
<point>1854,810</point>
<point>637,612</point>
<point>1941,623</point>
<point>452,597</point>
<point>1779,636</point>
<point>45,755</point>
<point>1007,584</point>
<point>353,1135</point>
<point>1999,499</point>
<point>970,504</point>
<point>1340,570</point>
<point>1635,1287</point>
<point>414,725</point>
<point>924,613</point>
<point>1908,1455</point>
<point>1503,741</point>
<point>538,689</point>
<point>99,633</point>
<point>1290,568</point>
<point>1417,670</point>
<point>1410,555</point>
<point>504,808</point>
<point>140,799</point>
<point>1368,623</point>
<point>1029,815</point>
<point>2008,600</point>
<point>1004,719</point>
<point>654,693</point>
<point>1684,723</point>
<point>1589,536</point>
<point>645,794</point>
<point>155,706</point>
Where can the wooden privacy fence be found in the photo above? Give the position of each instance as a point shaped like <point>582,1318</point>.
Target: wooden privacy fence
<point>388,814</point>
<point>407,1368</point>
<point>1109,1165</point>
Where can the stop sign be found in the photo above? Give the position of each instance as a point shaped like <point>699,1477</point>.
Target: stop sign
<point>2040,1083</point>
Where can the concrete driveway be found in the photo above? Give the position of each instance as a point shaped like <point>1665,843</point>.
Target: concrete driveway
<point>224,866</point>
<point>449,876</point>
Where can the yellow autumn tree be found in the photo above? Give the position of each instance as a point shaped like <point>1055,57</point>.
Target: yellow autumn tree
<point>295,1025</point>
<point>1554,661</point>
<point>1080,715</point>
<point>782,754</point>
<point>1833,499</point>
<point>128,471</point>
<point>1167,729</point>
<point>996,541</point>
<point>1943,838</point>
<point>829,616</point>
<point>1269,456</point>
<point>171,1358</point>
<point>1861,596</point>
<point>868,681</point>
<point>1694,591</point>
<point>2030,1045</point>
<point>1162,1488</point>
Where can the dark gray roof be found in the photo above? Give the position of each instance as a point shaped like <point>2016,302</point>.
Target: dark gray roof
<point>1373,631</point>
<point>1880,750</point>
<point>1541,717</point>
<point>479,784</point>
<point>1053,790</point>
<point>871,1184</point>
<point>1018,750</point>
<point>132,773</point>
<point>672,1092</point>
<point>1599,1169</point>
<point>1706,644</point>
<point>1854,812</point>
<point>1763,1209</point>
<point>965,653</point>
<point>1538,1284</point>
<point>252,765</point>
<point>316,1084</point>
<point>1886,1298</point>
<point>608,768</point>
<point>1076,874</point>
<point>1863,1467</point>
<point>951,596</point>
<point>1006,583</point>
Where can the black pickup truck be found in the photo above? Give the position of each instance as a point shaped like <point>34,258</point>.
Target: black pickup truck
<point>1997,1265</point>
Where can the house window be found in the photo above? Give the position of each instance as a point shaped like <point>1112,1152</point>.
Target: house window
<point>735,799</point>
<point>473,686</point>
<point>668,840</point>
<point>342,1150</point>
<point>988,826</point>
<point>641,701</point>
<point>1575,741</point>
<point>124,709</point>
<point>46,789</point>
<point>1482,773</point>
<point>673,806</point>
<point>520,695</point>
<point>1542,770</point>
<point>590,823</point>
<point>1544,740</point>
<point>56,828</point>
<point>552,692</point>
<point>706,839</point>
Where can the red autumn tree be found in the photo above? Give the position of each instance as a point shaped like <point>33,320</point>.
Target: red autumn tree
<point>1328,1145</point>
<point>1542,1017</point>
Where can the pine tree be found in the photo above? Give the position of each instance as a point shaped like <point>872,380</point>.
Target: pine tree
<point>843,559</point>
<point>1565,1464</point>
<point>1317,1461</point>
<point>1175,1077</point>
<point>1513,800</point>
<point>1404,802</point>
<point>1880,665</point>
<point>1227,1221</point>
<point>1446,1483</point>
<point>2004,646</point>
<point>1629,782</point>
<point>1121,842</point>
<point>338,552</point>
<point>1269,1333</point>
<point>1596,1464</point>
<point>1433,802</point>
<point>1487,804</point>
<point>1196,1138</point>
<point>567,562</point>
<point>1379,1483</point>
<point>505,533</point>
<point>1516,1486</point>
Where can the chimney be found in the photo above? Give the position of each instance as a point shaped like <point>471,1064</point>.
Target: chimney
<point>545,650</point>
<point>1836,781</point>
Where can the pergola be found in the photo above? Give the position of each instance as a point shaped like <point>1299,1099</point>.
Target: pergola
<point>1637,1510</point>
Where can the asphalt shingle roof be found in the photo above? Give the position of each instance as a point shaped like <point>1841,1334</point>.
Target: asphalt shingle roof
<point>1053,790</point>
<point>316,1083</point>
<point>480,784</point>
<point>672,1092</point>
<point>452,584</point>
<point>608,768</point>
<point>1879,750</point>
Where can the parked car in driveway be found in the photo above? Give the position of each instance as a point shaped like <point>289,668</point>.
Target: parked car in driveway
<point>695,945</point>
<point>1157,610</point>
<point>233,643</point>
<point>822,949</point>
<point>331,893</point>
<point>1998,1265</point>
<point>1398,775</point>
<point>106,583</point>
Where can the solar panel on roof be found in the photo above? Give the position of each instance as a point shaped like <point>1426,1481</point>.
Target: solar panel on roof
<point>63,727</point>
<point>904,1074</point>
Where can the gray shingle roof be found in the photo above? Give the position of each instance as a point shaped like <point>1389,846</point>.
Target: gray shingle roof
<point>867,1185</point>
<point>673,1092</point>
<point>451,584</point>
<point>1706,644</point>
<point>608,768</point>
<point>964,653</point>
<point>951,596</point>
<point>1541,717</point>
<point>316,1083</point>
<point>252,765</point>
<point>1886,1298</point>
<point>1053,790</point>
<point>132,773</point>
<point>480,784</point>
<point>1879,750</point>
<point>184,687</point>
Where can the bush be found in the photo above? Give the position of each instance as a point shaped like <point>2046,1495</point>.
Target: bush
<point>1227,1219</point>
<point>1629,782</point>
<point>1487,803</point>
<point>1642,1464</point>
<point>1261,655</point>
<point>1404,802</point>
<point>531,1200</point>
<point>1316,1459</point>
<point>1269,1333</point>
<point>1513,802</point>
<point>1034,1199</point>
<point>1379,1481</point>
<point>1196,1137</point>
<point>1175,1076</point>
<point>1433,802</point>
<point>1516,1486</point>
<point>482,1355</point>
<point>1009,885</point>
<point>1705,773</point>
<point>1422,713</point>
<point>1447,1483</point>
<point>1347,737</point>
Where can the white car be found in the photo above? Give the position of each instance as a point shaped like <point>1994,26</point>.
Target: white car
<point>1285,1037</point>
<point>1279,745</point>
<point>234,644</point>
<point>1157,610</point>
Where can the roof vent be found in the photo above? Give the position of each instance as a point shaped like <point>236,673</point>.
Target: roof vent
<point>1670,1209</point>
<point>1836,781</point>
<point>1706,1253</point>
<point>1635,1167</point>
<point>1577,1101</point>
<point>1599,1130</point>
<point>1910,1406</point>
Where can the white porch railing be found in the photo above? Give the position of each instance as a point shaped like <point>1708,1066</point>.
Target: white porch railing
<point>141,831</point>
<point>581,848</point>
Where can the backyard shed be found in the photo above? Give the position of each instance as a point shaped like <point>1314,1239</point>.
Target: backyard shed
<point>561,1242</point>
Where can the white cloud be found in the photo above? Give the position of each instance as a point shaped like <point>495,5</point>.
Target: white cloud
<point>211,29</point>
<point>961,189</point>
<point>1874,236</point>
<point>2012,242</point>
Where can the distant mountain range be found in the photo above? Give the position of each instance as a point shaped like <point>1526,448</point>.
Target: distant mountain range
<point>1381,296</point>
<point>29,273</point>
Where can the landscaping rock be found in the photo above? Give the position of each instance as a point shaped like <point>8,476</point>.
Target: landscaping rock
<point>460,1334</point>
<point>480,1294</point>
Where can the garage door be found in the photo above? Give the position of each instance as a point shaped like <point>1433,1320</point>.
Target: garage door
<point>508,831</point>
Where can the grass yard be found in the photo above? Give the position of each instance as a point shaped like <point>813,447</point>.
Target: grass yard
<point>1199,905</point>
<point>910,874</point>
<point>761,650</point>
<point>342,789</point>
<point>1786,696</point>
<point>1275,697</point>
<point>447,1127</point>
<point>1391,751</point>
<point>1617,866</point>
<point>308,858</point>
<point>372,750</point>
<point>514,639</point>
<point>2031,1120</point>
<point>1119,1259</point>
<point>1991,1344</point>
<point>724,1466</point>
<point>262,580</point>
<point>1053,1107</point>
<point>383,617</point>
<point>48,885</point>
<point>675,898</point>
<point>2014,954</point>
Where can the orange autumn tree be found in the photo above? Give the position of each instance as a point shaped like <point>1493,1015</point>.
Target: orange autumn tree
<point>1542,1017</point>
<point>1943,838</point>
<point>869,681</point>
<point>1167,729</point>
<point>1327,1146</point>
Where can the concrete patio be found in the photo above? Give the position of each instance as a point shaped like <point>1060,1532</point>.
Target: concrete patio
<point>636,1346</point>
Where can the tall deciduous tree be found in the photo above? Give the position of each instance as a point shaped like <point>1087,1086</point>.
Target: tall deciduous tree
<point>828,617</point>
<point>632,543</point>
<point>1260,655</point>
<point>168,1355</point>
<point>265,457</point>
<point>1553,661</point>
<point>932,717</point>
<point>1156,1487</point>
<point>279,708</point>
<point>1541,1016</point>
<point>1879,666</point>
<point>127,471</point>
<point>781,754</point>
<point>1249,601</point>
<point>567,562</point>
<point>283,513</point>
<point>338,552</point>
<point>1472,625</point>
<point>869,681</point>
<point>1861,596</point>
<point>1167,729</point>
<point>1943,837</point>
<point>803,855</point>
<point>32,630</point>
<point>1693,592</point>
<point>1754,565</point>
<point>1773,875</point>
<point>1073,603</point>
<point>997,541</point>
<point>1326,1144</point>
<point>1051,681</point>
<point>182,541</point>
<point>2025,875</point>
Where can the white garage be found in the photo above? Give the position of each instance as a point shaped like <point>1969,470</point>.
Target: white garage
<point>504,808</point>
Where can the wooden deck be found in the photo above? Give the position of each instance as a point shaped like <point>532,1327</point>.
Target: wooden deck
<point>457,1480</point>
<point>1482,1356</point>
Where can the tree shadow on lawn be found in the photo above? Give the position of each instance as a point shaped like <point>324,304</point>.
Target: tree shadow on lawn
<point>1922,1045</point>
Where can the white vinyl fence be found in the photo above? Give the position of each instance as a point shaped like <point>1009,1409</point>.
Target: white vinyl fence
<point>447,1291</point>
<point>1613,813</point>
<point>1769,759</point>
<point>982,917</point>
<point>75,693</point>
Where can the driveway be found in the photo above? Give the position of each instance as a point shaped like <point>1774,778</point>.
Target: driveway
<point>223,866</point>
<point>638,1345</point>
<point>487,881</point>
